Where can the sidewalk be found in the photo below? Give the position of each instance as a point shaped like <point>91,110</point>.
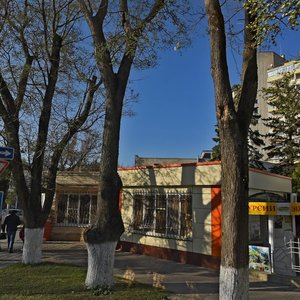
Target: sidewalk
<point>185,281</point>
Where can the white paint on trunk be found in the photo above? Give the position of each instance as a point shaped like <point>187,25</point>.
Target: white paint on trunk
<point>234,283</point>
<point>32,249</point>
<point>100,264</point>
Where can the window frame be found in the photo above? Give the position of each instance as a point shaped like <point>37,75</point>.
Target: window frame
<point>71,202</point>
<point>165,200</point>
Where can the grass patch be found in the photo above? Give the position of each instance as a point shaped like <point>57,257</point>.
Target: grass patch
<point>49,281</point>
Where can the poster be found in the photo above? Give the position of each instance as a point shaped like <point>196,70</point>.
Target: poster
<point>259,258</point>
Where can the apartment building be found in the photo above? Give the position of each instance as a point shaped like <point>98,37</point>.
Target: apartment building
<point>271,67</point>
<point>265,62</point>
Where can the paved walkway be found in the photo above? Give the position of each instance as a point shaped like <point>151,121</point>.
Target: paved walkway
<point>186,281</point>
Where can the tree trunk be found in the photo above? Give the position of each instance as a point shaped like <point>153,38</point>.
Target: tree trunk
<point>234,281</point>
<point>233,125</point>
<point>102,237</point>
<point>100,264</point>
<point>32,249</point>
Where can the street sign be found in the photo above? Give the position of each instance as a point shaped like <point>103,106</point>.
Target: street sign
<point>6,153</point>
<point>3,165</point>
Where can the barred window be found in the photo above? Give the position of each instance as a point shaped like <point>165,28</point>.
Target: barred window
<point>76,209</point>
<point>162,214</point>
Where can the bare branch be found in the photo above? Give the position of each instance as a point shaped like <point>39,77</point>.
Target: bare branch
<point>219,68</point>
<point>8,105</point>
<point>102,53</point>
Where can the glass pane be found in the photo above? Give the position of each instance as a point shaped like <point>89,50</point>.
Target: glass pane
<point>84,210</point>
<point>73,209</point>
<point>186,216</point>
<point>173,213</point>
<point>138,212</point>
<point>160,224</point>
<point>62,208</point>
<point>93,209</point>
<point>149,212</point>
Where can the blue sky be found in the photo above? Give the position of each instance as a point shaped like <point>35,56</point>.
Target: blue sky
<point>175,115</point>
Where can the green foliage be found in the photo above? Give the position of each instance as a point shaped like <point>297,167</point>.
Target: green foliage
<point>296,179</point>
<point>49,281</point>
<point>272,16</point>
<point>284,137</point>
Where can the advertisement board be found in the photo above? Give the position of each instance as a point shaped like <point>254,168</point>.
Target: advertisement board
<point>259,258</point>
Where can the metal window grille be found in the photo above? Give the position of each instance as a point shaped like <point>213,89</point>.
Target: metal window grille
<point>76,209</point>
<point>294,248</point>
<point>166,214</point>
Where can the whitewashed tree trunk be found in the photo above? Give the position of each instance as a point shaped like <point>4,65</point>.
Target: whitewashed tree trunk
<point>100,265</point>
<point>234,283</point>
<point>32,249</point>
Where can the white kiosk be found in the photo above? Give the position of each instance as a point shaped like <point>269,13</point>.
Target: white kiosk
<point>271,230</point>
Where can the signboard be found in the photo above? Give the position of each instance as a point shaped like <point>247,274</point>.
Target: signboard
<point>3,165</point>
<point>6,153</point>
<point>259,258</point>
<point>274,208</point>
<point>262,208</point>
<point>283,69</point>
<point>295,209</point>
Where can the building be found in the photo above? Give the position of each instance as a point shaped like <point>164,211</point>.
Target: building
<point>206,155</point>
<point>74,205</point>
<point>152,161</point>
<point>277,73</point>
<point>265,61</point>
<point>174,212</point>
<point>271,67</point>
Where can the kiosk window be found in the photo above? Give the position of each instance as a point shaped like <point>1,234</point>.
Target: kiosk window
<point>258,230</point>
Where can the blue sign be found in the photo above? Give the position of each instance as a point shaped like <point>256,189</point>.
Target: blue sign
<point>1,201</point>
<point>6,153</point>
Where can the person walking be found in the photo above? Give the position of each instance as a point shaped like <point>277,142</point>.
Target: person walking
<point>11,223</point>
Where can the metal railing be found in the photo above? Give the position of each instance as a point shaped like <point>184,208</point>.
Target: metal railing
<point>294,249</point>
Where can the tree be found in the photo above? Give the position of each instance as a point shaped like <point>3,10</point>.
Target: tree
<point>254,137</point>
<point>132,28</point>
<point>81,152</point>
<point>296,179</point>
<point>39,90</point>
<point>283,96</point>
<point>233,125</point>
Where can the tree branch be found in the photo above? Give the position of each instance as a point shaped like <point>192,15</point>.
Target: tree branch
<point>219,67</point>
<point>133,36</point>
<point>102,54</point>
<point>23,82</point>
<point>8,105</point>
<point>125,16</point>
<point>46,108</point>
<point>72,130</point>
<point>249,74</point>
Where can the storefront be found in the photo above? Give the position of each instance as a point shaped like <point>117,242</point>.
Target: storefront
<point>175,212</point>
<point>271,228</point>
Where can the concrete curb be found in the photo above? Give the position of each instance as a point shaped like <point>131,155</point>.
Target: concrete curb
<point>274,278</point>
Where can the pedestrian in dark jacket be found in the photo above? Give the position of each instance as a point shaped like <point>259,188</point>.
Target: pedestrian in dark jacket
<point>11,223</point>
